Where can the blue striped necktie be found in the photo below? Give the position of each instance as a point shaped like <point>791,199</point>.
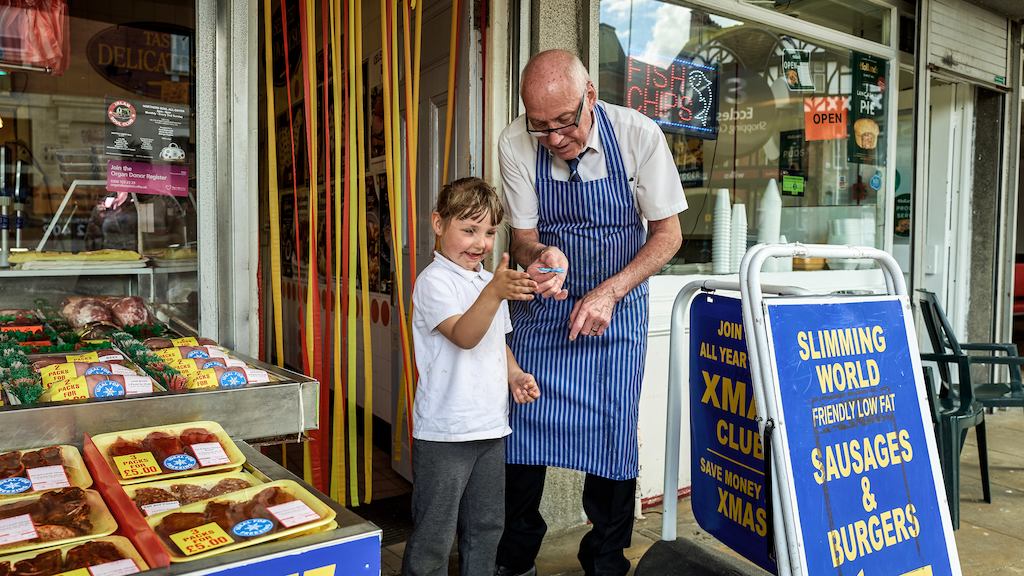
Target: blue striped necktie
<point>574,164</point>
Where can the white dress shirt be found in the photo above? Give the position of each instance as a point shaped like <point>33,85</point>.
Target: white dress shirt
<point>657,191</point>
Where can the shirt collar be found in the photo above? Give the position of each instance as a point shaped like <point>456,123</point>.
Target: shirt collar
<point>467,274</point>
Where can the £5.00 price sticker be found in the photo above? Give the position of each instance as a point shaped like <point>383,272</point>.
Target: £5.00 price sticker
<point>137,465</point>
<point>198,540</point>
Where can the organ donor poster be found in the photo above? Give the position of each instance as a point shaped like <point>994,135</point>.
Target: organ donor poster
<point>728,488</point>
<point>850,405</point>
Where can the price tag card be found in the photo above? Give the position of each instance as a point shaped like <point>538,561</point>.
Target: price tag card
<point>210,454</point>
<point>158,507</point>
<point>186,341</point>
<point>74,389</point>
<point>201,539</point>
<point>47,477</point>
<point>17,529</point>
<point>116,568</point>
<point>293,513</point>
<point>136,384</point>
<point>110,357</point>
<point>137,465</point>
<point>256,376</point>
<point>122,370</point>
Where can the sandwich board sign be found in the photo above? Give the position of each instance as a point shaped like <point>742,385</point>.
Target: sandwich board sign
<point>860,468</point>
<point>728,488</point>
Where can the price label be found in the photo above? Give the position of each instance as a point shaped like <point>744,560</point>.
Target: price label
<point>256,376</point>
<point>137,465</point>
<point>17,529</point>
<point>74,389</point>
<point>116,568</point>
<point>168,354</point>
<point>293,513</point>
<point>48,477</point>
<point>158,507</point>
<point>186,341</point>
<point>110,357</point>
<point>87,357</point>
<point>210,454</point>
<point>204,379</point>
<point>55,373</point>
<point>122,370</point>
<point>198,540</point>
<point>136,384</point>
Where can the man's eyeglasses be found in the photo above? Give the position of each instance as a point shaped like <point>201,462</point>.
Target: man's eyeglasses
<point>541,132</point>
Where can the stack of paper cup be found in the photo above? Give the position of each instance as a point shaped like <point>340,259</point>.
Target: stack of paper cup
<point>721,234</point>
<point>739,236</point>
<point>769,218</point>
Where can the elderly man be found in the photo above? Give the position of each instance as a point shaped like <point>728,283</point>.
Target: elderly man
<point>581,177</point>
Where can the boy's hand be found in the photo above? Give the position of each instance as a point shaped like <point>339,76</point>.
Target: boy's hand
<point>523,387</point>
<point>510,284</point>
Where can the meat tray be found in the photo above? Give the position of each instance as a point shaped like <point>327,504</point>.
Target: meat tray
<point>172,451</point>
<point>245,518</point>
<point>54,564</point>
<point>174,495</point>
<point>55,518</point>
<point>16,481</point>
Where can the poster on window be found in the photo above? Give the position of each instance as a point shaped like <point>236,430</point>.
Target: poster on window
<point>148,146</point>
<point>791,162</point>
<point>796,66</point>
<point>867,110</point>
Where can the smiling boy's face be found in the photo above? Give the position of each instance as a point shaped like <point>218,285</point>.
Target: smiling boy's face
<point>465,241</point>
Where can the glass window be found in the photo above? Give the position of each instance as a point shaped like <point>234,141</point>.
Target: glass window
<point>861,18</point>
<point>97,148</point>
<point>750,110</point>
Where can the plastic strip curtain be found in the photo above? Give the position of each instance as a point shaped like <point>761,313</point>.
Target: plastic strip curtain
<point>325,382</point>
<point>274,203</point>
<point>313,463</point>
<point>453,67</point>
<point>339,22</point>
<point>353,243</point>
<point>392,151</point>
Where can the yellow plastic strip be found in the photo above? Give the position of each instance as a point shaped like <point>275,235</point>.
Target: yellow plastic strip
<point>353,208</point>
<point>338,420</point>
<point>364,268</point>
<point>453,62</point>
<point>274,204</point>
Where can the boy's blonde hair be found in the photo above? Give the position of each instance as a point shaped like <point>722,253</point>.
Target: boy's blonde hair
<point>469,198</point>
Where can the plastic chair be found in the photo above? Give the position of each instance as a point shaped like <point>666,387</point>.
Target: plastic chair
<point>952,417</point>
<point>990,394</point>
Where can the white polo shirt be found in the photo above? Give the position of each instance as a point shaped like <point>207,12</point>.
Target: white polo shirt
<point>657,191</point>
<point>462,394</point>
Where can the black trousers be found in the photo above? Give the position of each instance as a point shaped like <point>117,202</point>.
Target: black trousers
<point>609,507</point>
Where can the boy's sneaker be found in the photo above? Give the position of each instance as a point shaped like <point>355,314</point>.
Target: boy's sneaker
<point>506,571</point>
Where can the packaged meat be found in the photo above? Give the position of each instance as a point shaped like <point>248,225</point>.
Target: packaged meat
<point>220,377</point>
<point>251,516</point>
<point>53,519</point>
<point>178,352</point>
<point>84,311</point>
<point>57,373</point>
<point>37,470</point>
<point>102,556</point>
<point>106,355</point>
<point>156,497</point>
<point>160,343</point>
<point>99,386</point>
<point>161,452</point>
<point>192,365</point>
<point>130,311</point>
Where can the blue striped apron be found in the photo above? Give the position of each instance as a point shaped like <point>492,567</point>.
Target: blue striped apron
<point>586,416</point>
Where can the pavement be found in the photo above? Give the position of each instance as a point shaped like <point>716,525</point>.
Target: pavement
<point>990,540</point>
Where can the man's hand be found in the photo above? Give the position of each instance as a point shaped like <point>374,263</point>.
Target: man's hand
<point>523,387</point>
<point>549,271</point>
<point>510,284</point>
<point>592,314</point>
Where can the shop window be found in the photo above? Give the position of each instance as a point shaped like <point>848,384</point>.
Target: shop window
<point>745,109</point>
<point>97,149</point>
<point>861,18</point>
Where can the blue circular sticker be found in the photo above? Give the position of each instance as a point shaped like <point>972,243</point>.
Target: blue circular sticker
<point>197,354</point>
<point>253,527</point>
<point>97,370</point>
<point>179,462</point>
<point>876,181</point>
<point>232,379</point>
<point>212,362</point>
<point>15,485</point>
<point>108,389</point>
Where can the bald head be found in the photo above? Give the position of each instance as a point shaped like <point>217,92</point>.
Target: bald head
<point>553,73</point>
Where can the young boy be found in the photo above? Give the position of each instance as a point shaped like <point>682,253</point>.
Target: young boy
<point>460,318</point>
